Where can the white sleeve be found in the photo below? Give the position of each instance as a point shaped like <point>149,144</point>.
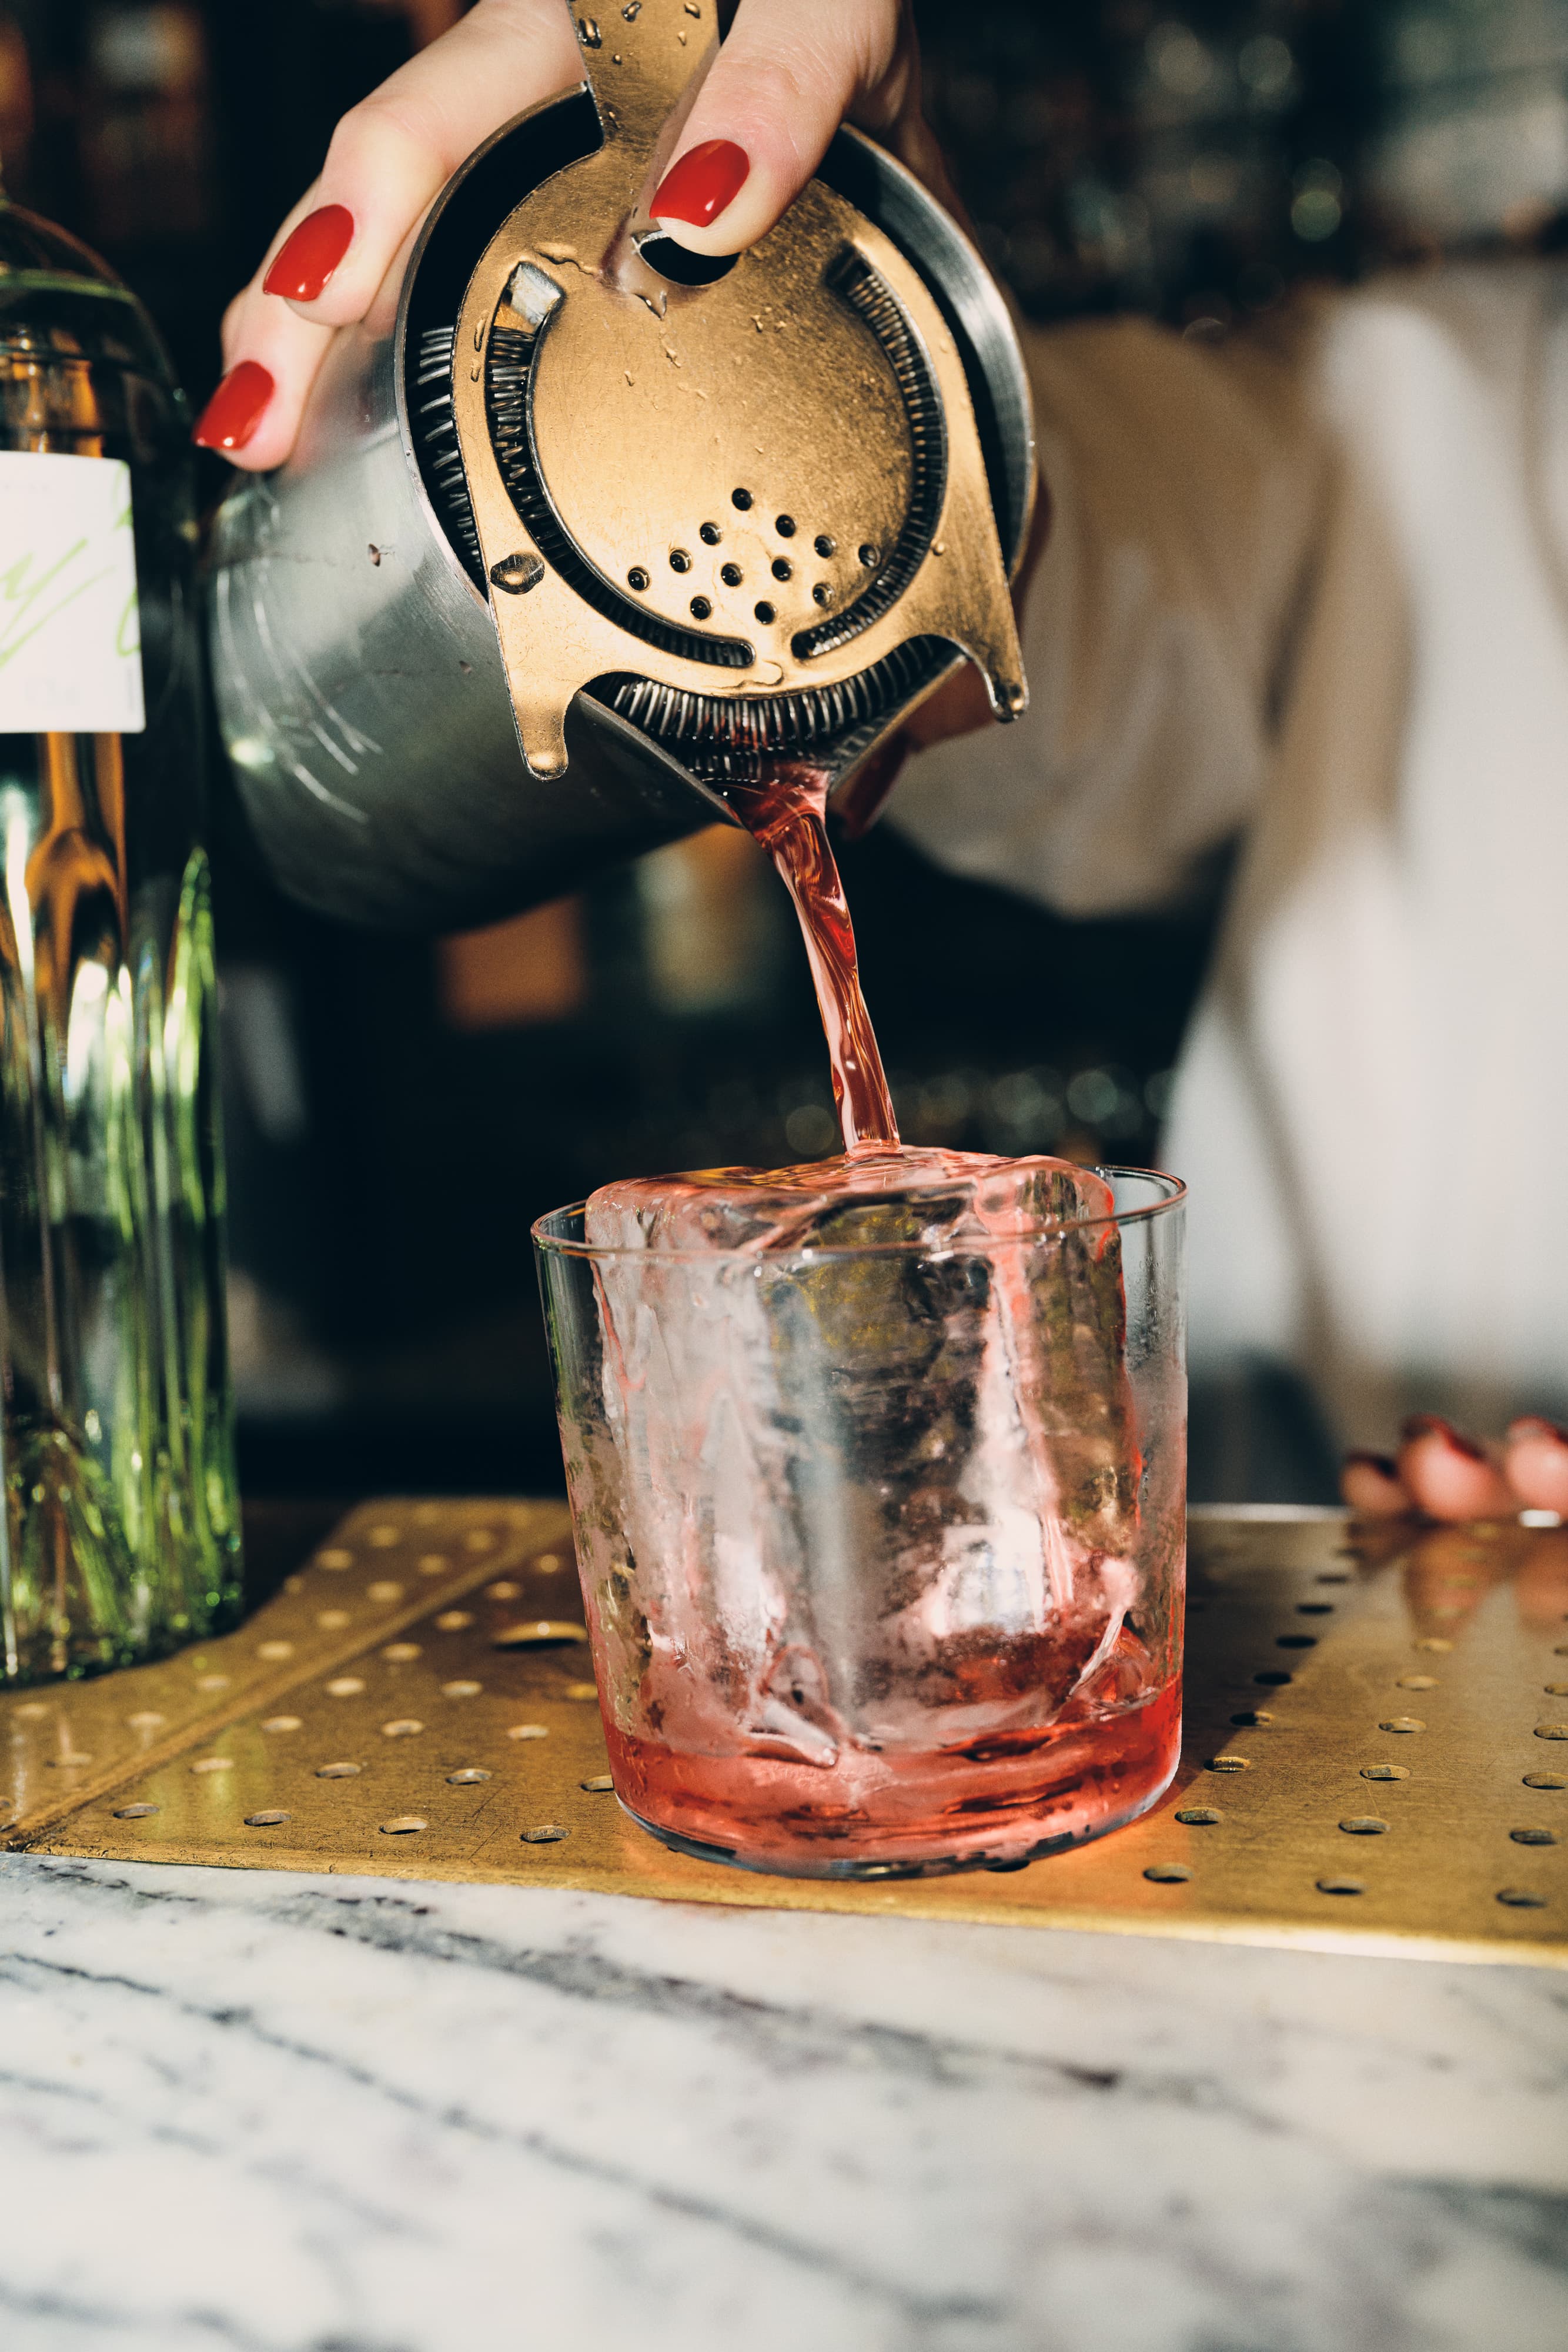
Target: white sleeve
<point>1186,482</point>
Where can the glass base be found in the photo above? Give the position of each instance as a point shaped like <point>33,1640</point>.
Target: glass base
<point>888,1851</point>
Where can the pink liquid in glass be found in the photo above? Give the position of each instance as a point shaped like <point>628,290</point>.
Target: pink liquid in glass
<point>879,1590</point>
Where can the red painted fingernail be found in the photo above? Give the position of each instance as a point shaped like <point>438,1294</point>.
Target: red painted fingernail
<point>1384,1464</point>
<point>704,183</point>
<point>309,256</point>
<point>236,409</point>
<point>1431,1424</point>
<point>1534,1424</point>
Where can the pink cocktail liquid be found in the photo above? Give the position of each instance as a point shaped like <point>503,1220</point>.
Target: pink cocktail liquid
<point>988,1669</point>
<point>995,1801</point>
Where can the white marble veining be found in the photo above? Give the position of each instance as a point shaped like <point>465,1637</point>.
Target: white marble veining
<point>308,2115</point>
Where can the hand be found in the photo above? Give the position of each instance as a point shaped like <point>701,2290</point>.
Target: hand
<point>1445,1475</point>
<point>790,72</point>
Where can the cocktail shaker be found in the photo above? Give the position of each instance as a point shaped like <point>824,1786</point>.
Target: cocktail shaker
<point>580,526</point>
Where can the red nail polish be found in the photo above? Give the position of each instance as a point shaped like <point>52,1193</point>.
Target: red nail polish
<point>236,409</point>
<point>309,257</point>
<point>1384,1464</point>
<point>1431,1424</point>
<point>1534,1424</point>
<point>704,183</point>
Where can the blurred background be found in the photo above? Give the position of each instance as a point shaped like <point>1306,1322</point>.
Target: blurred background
<point>400,1112</point>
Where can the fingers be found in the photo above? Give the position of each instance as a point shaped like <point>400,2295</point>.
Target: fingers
<point>783,82</point>
<point>1535,1457</point>
<point>1371,1485</point>
<point>388,158</point>
<point>270,358</point>
<point>1449,1476</point>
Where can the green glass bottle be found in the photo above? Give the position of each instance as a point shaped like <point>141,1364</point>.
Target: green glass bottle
<point>119,1536</point>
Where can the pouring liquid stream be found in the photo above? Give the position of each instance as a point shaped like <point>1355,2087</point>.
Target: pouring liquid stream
<point>785,811</point>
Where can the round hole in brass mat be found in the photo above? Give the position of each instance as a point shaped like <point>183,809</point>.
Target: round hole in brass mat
<point>1385,1771</point>
<point>274,1650</point>
<point>1403,1723</point>
<point>1251,1718</point>
<point>1341,1886</point>
<point>344,1772</point>
<point>346,1686</point>
<point>281,1722</point>
<point>1168,1873</point>
<point>1552,1731</point>
<point>147,1719</point>
<point>1556,1690</point>
<point>1362,1825</point>
<point>460,1690</point>
<point>528,1731</point>
<point>539,1633</point>
<point>400,1654</point>
<point>1196,1817</point>
<point>332,1621</point>
<point>265,1820</point>
<point>211,1682</point>
<point>480,1539</point>
<point>546,1833</point>
<point>1546,1780</point>
<point>402,1825</point>
<point>469,1776</point>
<point>384,1594</point>
<point>1521,1899</point>
<point>1314,1608</point>
<point>1295,1641</point>
<point>1229,1763</point>
<point>1417,1681</point>
<point>30,1711</point>
<point>600,1786</point>
<point>335,1557</point>
<point>213,1764</point>
<point>402,1726</point>
<point>581,1690</point>
<point>432,1563</point>
<point>546,1563</point>
<point>133,1812</point>
<point>383,1537</point>
<point>1533,1837</point>
<point>1436,1644</point>
<point>1273,1678</point>
<point>454,1621</point>
<point>502,1591</point>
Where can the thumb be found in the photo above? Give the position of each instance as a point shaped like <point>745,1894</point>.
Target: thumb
<point>781,84</point>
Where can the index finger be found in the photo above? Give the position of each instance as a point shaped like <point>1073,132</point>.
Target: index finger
<point>388,158</point>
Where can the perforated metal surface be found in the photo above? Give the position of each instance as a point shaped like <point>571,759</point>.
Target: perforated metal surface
<point>1376,1754</point>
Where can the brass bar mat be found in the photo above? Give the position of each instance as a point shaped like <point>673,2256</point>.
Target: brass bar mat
<point>1376,1750</point>
<point>63,1745</point>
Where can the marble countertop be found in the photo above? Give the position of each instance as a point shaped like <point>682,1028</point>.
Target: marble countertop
<point>311,2115</point>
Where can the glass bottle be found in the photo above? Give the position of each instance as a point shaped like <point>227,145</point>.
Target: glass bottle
<point>119,1536</point>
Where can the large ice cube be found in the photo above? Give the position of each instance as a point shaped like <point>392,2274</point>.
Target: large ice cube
<point>878,1478</point>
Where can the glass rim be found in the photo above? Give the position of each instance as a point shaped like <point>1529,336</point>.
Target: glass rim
<point>1174,1198</point>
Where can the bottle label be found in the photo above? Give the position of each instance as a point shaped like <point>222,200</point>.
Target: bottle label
<point>70,629</point>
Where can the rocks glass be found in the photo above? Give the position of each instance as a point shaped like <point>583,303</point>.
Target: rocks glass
<point>881,1527</point>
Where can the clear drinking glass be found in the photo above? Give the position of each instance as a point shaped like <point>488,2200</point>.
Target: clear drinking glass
<point>883,1546</point>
